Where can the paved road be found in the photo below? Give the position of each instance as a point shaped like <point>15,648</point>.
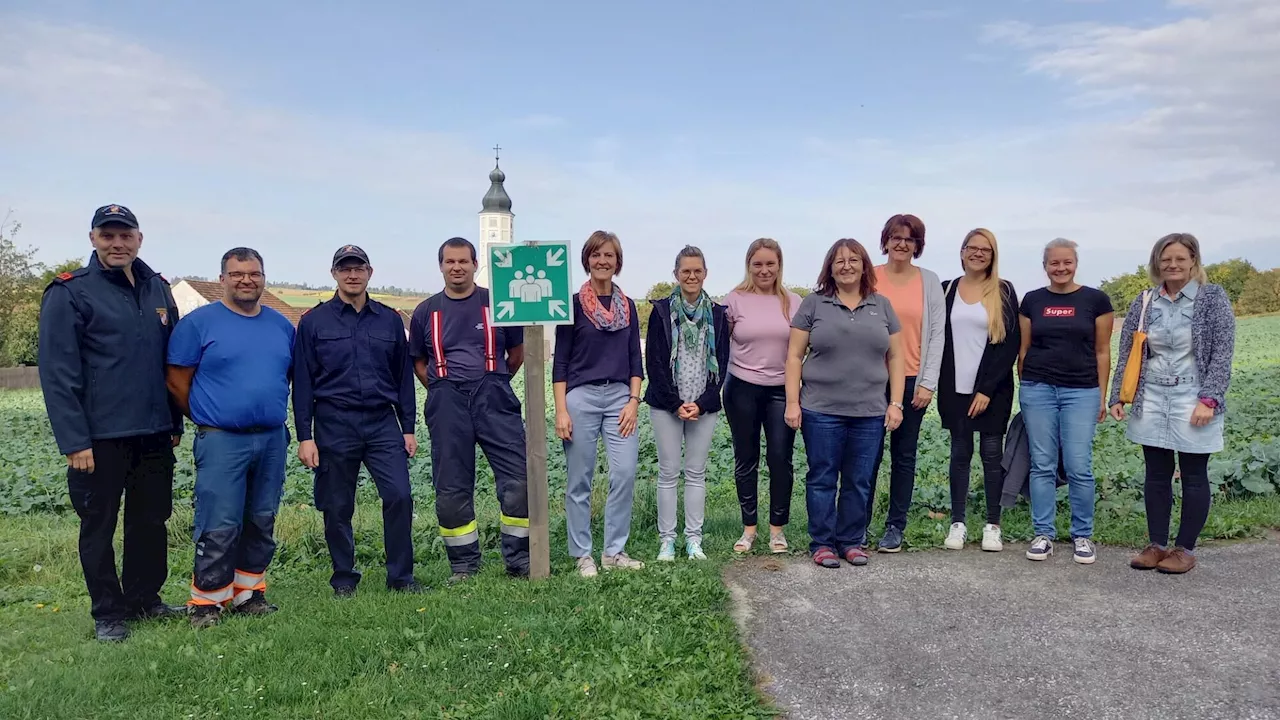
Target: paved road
<point>969,634</point>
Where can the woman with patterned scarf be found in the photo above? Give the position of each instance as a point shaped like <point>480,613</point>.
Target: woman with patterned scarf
<point>686,354</point>
<point>596,376</point>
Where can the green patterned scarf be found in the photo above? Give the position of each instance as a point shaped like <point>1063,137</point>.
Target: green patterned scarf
<point>691,325</point>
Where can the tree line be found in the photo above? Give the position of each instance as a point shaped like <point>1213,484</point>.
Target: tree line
<point>22,283</point>
<point>1252,292</point>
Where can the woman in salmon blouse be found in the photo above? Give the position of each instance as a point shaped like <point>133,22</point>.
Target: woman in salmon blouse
<point>917,298</point>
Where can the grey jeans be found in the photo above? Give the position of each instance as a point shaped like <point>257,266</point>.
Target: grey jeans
<point>692,440</point>
<point>594,410</point>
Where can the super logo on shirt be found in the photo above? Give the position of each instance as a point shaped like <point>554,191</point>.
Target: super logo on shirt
<point>1059,312</point>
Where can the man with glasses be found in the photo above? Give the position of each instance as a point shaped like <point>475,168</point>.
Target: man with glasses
<point>229,367</point>
<point>353,381</point>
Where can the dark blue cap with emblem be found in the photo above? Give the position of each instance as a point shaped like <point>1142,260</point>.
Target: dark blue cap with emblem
<point>114,214</point>
<point>347,252</point>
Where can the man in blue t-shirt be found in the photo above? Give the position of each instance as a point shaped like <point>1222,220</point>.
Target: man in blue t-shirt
<point>229,368</point>
<point>466,365</point>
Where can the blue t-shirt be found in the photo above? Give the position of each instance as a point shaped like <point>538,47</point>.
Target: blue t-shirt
<point>462,331</point>
<point>242,366</point>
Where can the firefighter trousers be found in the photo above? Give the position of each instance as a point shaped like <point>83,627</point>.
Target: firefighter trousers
<point>239,484</point>
<point>346,438</point>
<point>459,416</point>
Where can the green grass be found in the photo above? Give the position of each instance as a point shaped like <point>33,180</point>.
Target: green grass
<point>657,643</point>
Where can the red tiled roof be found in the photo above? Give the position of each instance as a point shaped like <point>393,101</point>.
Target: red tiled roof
<point>212,292</point>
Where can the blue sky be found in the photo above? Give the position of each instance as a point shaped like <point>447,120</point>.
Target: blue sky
<point>299,127</point>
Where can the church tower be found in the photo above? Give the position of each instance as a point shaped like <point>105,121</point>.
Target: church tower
<point>497,222</point>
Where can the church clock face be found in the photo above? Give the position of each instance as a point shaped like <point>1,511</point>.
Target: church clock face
<point>493,234</point>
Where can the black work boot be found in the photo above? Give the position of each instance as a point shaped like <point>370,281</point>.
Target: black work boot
<point>410,588</point>
<point>256,605</point>
<point>344,591</point>
<point>159,611</point>
<point>204,616</point>
<point>111,630</point>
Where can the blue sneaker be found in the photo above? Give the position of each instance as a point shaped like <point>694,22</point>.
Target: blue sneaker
<point>892,540</point>
<point>1041,548</point>
<point>694,548</point>
<point>1085,553</point>
<point>667,552</point>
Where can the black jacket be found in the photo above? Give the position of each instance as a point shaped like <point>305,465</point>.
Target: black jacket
<point>103,346</point>
<point>995,372</point>
<point>1016,465</point>
<point>661,392</point>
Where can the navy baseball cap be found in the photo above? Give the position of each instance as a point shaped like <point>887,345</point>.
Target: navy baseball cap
<point>114,214</point>
<point>349,251</point>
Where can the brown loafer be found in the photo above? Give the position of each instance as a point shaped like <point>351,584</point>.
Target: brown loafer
<point>1177,562</point>
<point>1149,558</point>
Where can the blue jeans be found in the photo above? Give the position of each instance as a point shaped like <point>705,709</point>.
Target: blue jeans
<point>594,411</point>
<point>239,484</point>
<point>1061,420</point>
<point>839,449</point>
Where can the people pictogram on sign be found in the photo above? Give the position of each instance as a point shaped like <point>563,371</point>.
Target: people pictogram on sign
<point>528,286</point>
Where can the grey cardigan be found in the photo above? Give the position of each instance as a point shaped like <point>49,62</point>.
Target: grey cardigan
<point>933,331</point>
<point>1213,342</point>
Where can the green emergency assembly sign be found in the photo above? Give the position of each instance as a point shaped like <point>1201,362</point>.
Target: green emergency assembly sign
<point>529,284</point>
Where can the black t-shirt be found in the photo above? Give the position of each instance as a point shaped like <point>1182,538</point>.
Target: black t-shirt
<point>1063,333</point>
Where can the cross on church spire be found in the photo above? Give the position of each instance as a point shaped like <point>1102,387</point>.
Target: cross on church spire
<point>496,149</point>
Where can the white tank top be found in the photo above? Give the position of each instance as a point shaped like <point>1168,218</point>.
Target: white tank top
<point>969,341</point>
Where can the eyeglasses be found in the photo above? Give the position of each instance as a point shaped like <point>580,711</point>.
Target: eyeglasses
<point>903,241</point>
<point>846,263</point>
<point>978,251</point>
<point>694,273</point>
<point>352,269</point>
<point>238,276</point>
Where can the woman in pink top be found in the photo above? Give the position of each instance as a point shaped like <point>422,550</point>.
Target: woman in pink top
<point>760,310</point>
<point>917,298</point>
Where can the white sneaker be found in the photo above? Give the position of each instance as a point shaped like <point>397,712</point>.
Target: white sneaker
<point>955,538</point>
<point>621,561</point>
<point>586,567</point>
<point>667,551</point>
<point>991,540</point>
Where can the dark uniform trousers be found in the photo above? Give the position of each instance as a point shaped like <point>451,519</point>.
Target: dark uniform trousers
<point>459,416</point>
<point>141,469</point>
<point>346,438</point>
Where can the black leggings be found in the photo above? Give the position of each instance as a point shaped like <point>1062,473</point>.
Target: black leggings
<point>991,449</point>
<point>750,408</point>
<point>1159,495</point>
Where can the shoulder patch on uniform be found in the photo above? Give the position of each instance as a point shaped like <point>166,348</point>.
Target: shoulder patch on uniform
<point>63,277</point>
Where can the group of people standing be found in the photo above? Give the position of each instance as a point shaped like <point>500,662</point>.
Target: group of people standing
<point>862,356</point>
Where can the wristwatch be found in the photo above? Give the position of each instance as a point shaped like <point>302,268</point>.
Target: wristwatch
<point>897,405</point>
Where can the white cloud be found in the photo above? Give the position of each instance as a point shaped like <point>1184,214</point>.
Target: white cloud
<point>1164,127</point>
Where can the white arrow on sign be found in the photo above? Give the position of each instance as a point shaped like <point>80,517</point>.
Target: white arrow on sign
<point>555,258</point>
<point>507,308</point>
<point>504,259</point>
<point>557,308</point>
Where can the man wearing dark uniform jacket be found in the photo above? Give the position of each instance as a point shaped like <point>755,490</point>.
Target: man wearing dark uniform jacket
<point>104,333</point>
<point>353,380</point>
<point>466,365</point>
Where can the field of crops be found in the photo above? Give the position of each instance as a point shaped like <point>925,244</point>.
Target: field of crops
<point>308,298</point>
<point>32,472</point>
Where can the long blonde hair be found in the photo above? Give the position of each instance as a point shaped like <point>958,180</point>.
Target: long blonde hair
<point>992,294</point>
<point>748,285</point>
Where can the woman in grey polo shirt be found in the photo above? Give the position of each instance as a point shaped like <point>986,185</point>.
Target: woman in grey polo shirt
<point>841,338</point>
